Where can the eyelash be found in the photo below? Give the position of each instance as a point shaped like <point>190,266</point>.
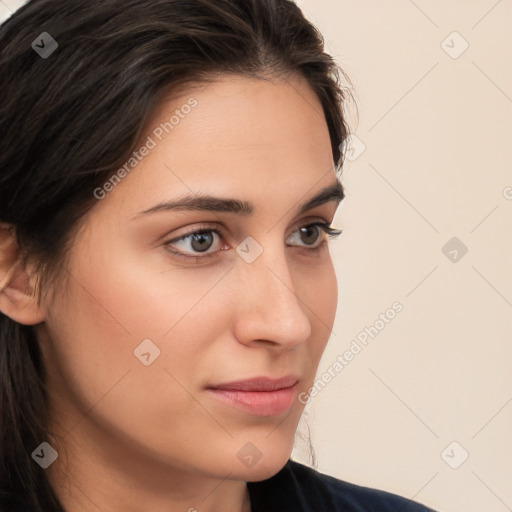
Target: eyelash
<point>332,233</point>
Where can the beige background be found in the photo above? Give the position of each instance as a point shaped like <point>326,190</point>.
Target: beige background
<point>435,126</point>
<point>438,158</point>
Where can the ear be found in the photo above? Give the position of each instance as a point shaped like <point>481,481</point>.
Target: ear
<point>17,297</point>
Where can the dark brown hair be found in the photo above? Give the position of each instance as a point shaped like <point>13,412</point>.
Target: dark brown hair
<point>69,120</point>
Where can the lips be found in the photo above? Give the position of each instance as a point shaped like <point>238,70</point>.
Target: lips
<point>258,384</point>
<point>262,396</point>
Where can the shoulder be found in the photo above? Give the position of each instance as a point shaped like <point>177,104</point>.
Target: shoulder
<point>300,488</point>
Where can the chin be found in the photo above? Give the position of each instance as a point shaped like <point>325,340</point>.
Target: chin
<point>262,472</point>
<point>261,460</point>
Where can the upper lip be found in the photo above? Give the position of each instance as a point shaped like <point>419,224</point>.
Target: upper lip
<point>258,384</point>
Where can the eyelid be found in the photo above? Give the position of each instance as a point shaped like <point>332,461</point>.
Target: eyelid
<point>197,229</point>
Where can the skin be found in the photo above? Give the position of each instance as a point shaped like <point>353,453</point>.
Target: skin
<point>135,437</point>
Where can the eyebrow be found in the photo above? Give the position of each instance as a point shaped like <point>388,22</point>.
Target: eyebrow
<point>208,203</point>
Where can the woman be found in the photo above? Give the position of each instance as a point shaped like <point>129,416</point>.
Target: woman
<point>168,177</point>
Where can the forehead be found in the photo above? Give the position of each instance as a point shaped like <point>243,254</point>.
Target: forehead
<point>240,112</point>
<point>232,136</point>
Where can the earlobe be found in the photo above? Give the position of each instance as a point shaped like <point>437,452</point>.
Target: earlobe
<point>17,298</point>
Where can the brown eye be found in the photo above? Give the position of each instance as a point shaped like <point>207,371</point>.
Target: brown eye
<point>201,241</point>
<point>194,244</point>
<point>310,234</point>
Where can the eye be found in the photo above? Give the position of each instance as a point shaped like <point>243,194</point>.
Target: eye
<point>196,243</point>
<point>311,233</point>
<point>200,240</point>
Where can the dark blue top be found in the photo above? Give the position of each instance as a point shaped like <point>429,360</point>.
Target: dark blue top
<point>298,488</point>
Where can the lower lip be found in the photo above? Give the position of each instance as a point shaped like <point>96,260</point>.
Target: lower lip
<point>262,403</point>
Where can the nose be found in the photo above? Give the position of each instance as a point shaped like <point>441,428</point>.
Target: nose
<point>268,307</point>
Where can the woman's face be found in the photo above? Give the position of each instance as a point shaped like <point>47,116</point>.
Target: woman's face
<point>138,335</point>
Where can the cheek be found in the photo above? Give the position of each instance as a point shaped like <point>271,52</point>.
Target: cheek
<point>327,294</point>
<point>147,294</point>
<point>320,297</point>
<point>109,310</point>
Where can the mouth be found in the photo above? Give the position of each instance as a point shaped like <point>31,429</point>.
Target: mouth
<point>260,396</point>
